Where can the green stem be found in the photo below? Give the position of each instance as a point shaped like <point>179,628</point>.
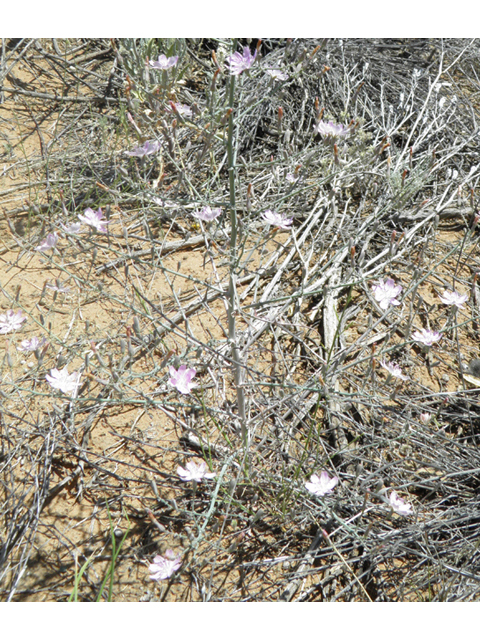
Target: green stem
<point>232,287</point>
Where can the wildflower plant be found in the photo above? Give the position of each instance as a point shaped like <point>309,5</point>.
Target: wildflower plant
<point>287,329</point>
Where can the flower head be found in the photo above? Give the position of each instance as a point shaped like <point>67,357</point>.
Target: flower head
<point>425,417</point>
<point>68,384</point>
<point>322,484</point>
<point>427,337</point>
<point>11,321</point>
<point>386,293</point>
<point>163,62</point>
<point>394,370</point>
<point>331,130</point>
<point>74,227</point>
<point>207,214</point>
<point>58,286</point>
<point>453,297</point>
<point>399,505</point>
<point>277,220</point>
<point>182,379</point>
<point>276,74</point>
<point>239,62</point>
<point>195,472</point>
<point>94,219</point>
<point>148,147</point>
<point>165,566</point>
<point>31,344</point>
<point>291,177</point>
<point>48,243</point>
<point>182,109</point>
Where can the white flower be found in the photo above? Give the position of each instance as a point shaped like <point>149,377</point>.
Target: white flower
<point>394,370</point>
<point>74,227</point>
<point>182,379</point>
<point>399,506</point>
<point>321,485</point>
<point>386,293</point>
<point>195,472</point>
<point>31,344</point>
<point>276,74</point>
<point>165,566</point>
<point>427,337</point>
<point>276,219</point>
<point>425,417</point>
<point>11,321</point>
<point>68,384</point>
<point>94,219</point>
<point>48,243</point>
<point>453,297</point>
<point>331,130</point>
<point>207,214</point>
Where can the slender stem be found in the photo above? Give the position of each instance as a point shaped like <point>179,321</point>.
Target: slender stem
<point>232,288</point>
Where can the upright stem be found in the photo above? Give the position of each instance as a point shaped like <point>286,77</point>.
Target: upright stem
<point>232,287</point>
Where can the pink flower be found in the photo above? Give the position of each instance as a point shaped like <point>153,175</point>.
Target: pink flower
<point>68,384</point>
<point>182,109</point>
<point>195,472</point>
<point>149,147</point>
<point>394,370</point>
<point>31,344</point>
<point>399,506</point>
<point>165,566</point>
<point>163,62</point>
<point>453,297</point>
<point>425,417</point>
<point>94,219</point>
<point>331,130</point>
<point>48,243</point>
<point>277,220</point>
<point>386,293</point>
<point>207,214</point>
<point>11,321</point>
<point>241,62</point>
<point>321,485</point>
<point>182,379</point>
<point>427,337</point>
